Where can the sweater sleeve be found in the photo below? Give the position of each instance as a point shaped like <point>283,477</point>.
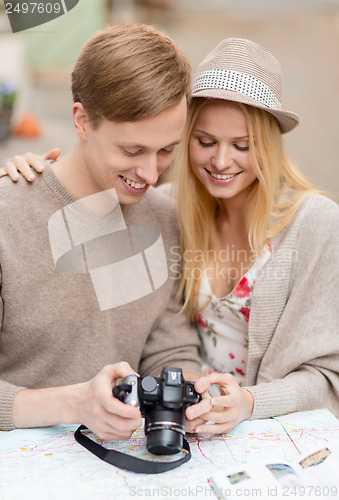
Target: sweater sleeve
<point>7,395</point>
<point>299,369</point>
<point>7,391</point>
<point>173,342</point>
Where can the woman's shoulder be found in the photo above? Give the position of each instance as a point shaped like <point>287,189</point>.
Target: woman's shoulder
<point>317,221</point>
<point>320,201</point>
<point>318,209</point>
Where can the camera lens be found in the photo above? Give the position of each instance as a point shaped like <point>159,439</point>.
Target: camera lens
<point>164,430</point>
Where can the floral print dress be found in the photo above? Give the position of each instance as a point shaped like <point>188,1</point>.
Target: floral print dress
<point>223,323</point>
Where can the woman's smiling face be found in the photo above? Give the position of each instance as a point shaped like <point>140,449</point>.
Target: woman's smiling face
<point>219,150</point>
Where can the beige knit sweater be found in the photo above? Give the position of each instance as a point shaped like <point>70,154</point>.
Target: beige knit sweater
<point>52,329</point>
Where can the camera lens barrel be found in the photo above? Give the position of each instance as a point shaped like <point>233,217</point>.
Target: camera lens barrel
<point>164,430</point>
<point>164,442</point>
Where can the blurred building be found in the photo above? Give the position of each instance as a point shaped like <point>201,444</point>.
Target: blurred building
<point>302,34</point>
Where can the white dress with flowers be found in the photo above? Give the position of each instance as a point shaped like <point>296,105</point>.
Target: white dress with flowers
<point>223,323</point>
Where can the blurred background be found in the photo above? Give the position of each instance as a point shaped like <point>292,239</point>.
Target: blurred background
<point>35,67</point>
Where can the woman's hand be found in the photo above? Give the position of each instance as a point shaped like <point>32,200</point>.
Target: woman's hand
<point>24,164</point>
<point>227,410</point>
<point>193,419</point>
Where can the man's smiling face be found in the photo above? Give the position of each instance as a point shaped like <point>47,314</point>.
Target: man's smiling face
<point>130,156</point>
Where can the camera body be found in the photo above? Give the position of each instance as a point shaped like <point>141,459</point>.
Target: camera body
<point>162,401</point>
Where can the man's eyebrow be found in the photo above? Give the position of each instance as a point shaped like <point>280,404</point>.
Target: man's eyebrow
<point>143,146</point>
<point>175,143</point>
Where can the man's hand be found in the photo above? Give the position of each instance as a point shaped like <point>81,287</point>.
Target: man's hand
<point>24,164</point>
<point>90,403</point>
<point>227,410</point>
<point>97,408</point>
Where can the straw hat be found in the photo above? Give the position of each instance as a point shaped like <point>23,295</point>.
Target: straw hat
<point>242,71</point>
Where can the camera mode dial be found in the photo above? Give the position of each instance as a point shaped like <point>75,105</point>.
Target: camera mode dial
<point>149,384</point>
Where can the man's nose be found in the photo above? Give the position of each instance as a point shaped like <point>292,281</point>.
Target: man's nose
<point>148,169</point>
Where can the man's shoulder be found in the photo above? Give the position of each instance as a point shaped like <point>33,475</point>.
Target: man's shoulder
<point>11,191</point>
<point>7,184</point>
<point>21,195</point>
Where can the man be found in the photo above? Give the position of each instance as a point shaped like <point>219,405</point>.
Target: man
<point>83,283</point>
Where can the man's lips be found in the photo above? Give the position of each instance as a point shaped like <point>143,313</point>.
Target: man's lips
<point>133,186</point>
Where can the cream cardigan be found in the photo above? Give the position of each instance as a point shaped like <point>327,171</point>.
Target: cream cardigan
<point>293,359</point>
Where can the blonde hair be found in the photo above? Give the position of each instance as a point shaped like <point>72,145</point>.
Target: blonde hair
<point>266,215</point>
<point>128,72</point>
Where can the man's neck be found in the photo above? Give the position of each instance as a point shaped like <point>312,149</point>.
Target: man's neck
<point>72,172</point>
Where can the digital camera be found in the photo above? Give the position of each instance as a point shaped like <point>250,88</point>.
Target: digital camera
<point>162,401</point>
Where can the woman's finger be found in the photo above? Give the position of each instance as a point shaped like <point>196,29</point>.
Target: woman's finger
<point>23,167</point>
<point>10,170</point>
<point>199,409</point>
<point>216,428</point>
<point>35,161</point>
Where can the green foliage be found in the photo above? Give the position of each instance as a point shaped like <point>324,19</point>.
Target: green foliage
<point>8,95</point>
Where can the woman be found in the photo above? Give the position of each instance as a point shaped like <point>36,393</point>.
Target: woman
<point>259,248</point>
<point>261,294</point>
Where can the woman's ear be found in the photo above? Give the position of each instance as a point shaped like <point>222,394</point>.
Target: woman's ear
<point>80,120</point>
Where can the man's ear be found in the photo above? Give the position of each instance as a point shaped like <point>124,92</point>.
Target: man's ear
<point>80,120</point>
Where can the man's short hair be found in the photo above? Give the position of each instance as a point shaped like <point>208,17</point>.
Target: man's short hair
<point>129,72</point>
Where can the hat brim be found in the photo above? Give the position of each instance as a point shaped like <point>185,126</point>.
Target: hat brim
<point>287,120</point>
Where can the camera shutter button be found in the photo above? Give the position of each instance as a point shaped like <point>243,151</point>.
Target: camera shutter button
<point>148,384</point>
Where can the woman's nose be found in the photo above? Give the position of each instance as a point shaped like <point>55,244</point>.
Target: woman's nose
<point>223,158</point>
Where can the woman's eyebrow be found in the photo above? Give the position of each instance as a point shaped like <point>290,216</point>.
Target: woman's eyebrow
<point>203,132</point>
<point>239,138</point>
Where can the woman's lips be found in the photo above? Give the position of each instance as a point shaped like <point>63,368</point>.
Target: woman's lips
<point>222,178</point>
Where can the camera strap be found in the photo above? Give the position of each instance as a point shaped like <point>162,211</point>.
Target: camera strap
<point>128,462</point>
